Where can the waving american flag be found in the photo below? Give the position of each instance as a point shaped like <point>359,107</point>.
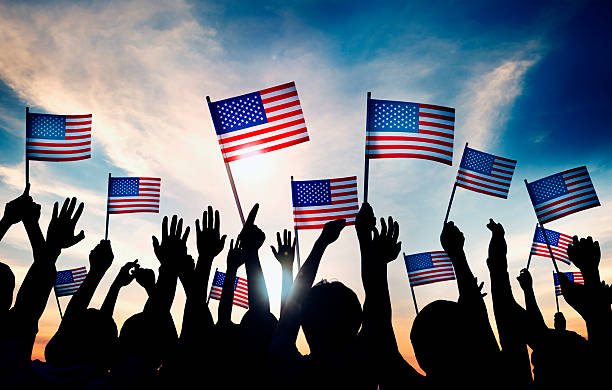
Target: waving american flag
<point>58,137</point>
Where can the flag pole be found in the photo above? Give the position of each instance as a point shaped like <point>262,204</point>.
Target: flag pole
<point>416,308</point>
<point>544,233</point>
<point>58,304</point>
<point>227,167</point>
<point>450,202</point>
<point>208,298</point>
<point>107,194</point>
<point>27,160</point>
<point>556,296</point>
<point>295,229</point>
<point>366,173</point>
<point>529,259</point>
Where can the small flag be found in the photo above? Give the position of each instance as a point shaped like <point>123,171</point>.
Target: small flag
<point>133,195</point>
<point>575,277</point>
<point>558,243</point>
<point>58,137</point>
<point>259,122</point>
<point>316,202</point>
<point>410,130</point>
<point>68,282</point>
<point>485,173</point>
<point>241,289</point>
<point>429,267</point>
<point>562,194</point>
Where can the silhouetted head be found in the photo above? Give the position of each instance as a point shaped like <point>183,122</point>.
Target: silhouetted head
<point>148,337</point>
<point>560,323</point>
<point>258,327</point>
<point>556,349</point>
<point>7,286</point>
<point>87,339</point>
<point>331,316</point>
<point>444,342</point>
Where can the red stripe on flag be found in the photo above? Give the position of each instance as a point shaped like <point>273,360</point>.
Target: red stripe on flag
<point>134,211</point>
<point>230,149</point>
<point>434,107</point>
<point>261,131</point>
<point>77,123</point>
<point>410,155</point>
<point>436,133</point>
<point>277,88</point>
<point>304,227</point>
<point>283,106</point>
<point>330,210</point>
<point>59,144</point>
<point>436,116</point>
<point>565,200</point>
<point>43,151</point>
<point>464,173</point>
<point>78,116</point>
<point>279,97</point>
<point>407,138</point>
<point>411,147</point>
<point>434,124</point>
<point>71,137</point>
<point>482,191</point>
<point>285,115</point>
<point>568,206</point>
<point>266,150</point>
<point>59,158</point>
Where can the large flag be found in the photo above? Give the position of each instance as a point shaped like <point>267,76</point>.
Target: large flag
<point>429,267</point>
<point>58,137</point>
<point>485,173</point>
<point>316,202</point>
<point>259,122</point>
<point>68,282</point>
<point>410,130</point>
<point>562,194</point>
<point>558,243</point>
<point>133,195</point>
<point>575,277</point>
<point>241,289</point>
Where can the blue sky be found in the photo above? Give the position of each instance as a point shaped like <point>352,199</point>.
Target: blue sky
<point>530,81</point>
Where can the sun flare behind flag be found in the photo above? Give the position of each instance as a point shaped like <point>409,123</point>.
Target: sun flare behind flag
<point>316,202</point>
<point>259,122</point>
<point>134,195</point>
<point>397,129</point>
<point>58,137</point>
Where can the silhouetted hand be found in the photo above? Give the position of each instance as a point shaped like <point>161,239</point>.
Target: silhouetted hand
<point>560,323</point>
<point>385,244</point>
<point>127,273</point>
<point>525,280</point>
<point>146,278</point>
<point>251,236</point>
<point>286,250</point>
<point>101,257</point>
<point>185,265</point>
<point>173,243</point>
<point>31,213</point>
<point>60,233</point>
<point>365,223</point>
<point>209,240</point>
<point>331,231</point>
<point>15,210</point>
<point>497,246</point>
<point>236,256</point>
<point>584,253</point>
<point>452,239</point>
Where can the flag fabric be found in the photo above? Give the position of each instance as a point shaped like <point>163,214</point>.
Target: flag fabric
<point>562,194</point>
<point>316,202</point>
<point>558,244</point>
<point>68,282</point>
<point>259,122</point>
<point>58,137</point>
<point>241,289</point>
<point>410,130</point>
<point>575,277</point>
<point>485,173</point>
<point>429,267</point>
<point>133,195</point>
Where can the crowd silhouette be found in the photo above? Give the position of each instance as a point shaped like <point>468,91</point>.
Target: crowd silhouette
<point>352,345</point>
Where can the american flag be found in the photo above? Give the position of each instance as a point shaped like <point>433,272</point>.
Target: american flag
<point>133,195</point>
<point>575,277</point>
<point>410,130</point>
<point>558,243</point>
<point>58,137</point>
<point>316,202</point>
<point>429,267</point>
<point>68,282</point>
<point>485,173</point>
<point>562,194</point>
<point>241,289</point>
<point>259,122</point>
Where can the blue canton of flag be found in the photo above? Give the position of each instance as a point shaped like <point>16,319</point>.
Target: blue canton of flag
<point>429,267</point>
<point>485,173</point>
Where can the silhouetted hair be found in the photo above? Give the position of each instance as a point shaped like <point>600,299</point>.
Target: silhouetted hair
<point>7,286</point>
<point>331,315</point>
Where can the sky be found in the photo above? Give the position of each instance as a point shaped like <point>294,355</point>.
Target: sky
<point>529,80</point>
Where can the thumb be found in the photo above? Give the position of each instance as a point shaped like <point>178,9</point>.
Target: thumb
<point>274,251</point>
<point>78,238</point>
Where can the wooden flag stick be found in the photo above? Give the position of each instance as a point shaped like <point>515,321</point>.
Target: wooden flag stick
<point>58,304</point>
<point>366,171</point>
<point>450,202</point>
<point>552,256</point>
<point>227,167</point>
<point>295,230</point>
<point>107,194</point>
<point>27,160</point>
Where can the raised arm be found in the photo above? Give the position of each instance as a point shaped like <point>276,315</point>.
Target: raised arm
<point>285,255</point>
<point>14,211</point>
<point>534,326</point>
<point>125,276</point>
<point>235,258</point>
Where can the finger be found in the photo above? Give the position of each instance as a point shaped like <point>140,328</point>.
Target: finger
<point>179,227</point>
<point>198,230</point>
<point>289,237</point>
<point>78,213</point>
<point>231,244</point>
<point>55,207</point>
<point>252,214</point>
<point>165,228</point>
<point>285,237</point>
<point>390,224</point>
<point>155,244</point>
<point>64,206</point>
<point>78,238</point>
<point>383,227</point>
<point>209,225</point>
<point>173,226</point>
<point>217,222</point>
<point>376,235</point>
<point>278,239</point>
<point>294,243</point>
<point>186,234</point>
<point>395,231</point>
<point>223,240</point>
